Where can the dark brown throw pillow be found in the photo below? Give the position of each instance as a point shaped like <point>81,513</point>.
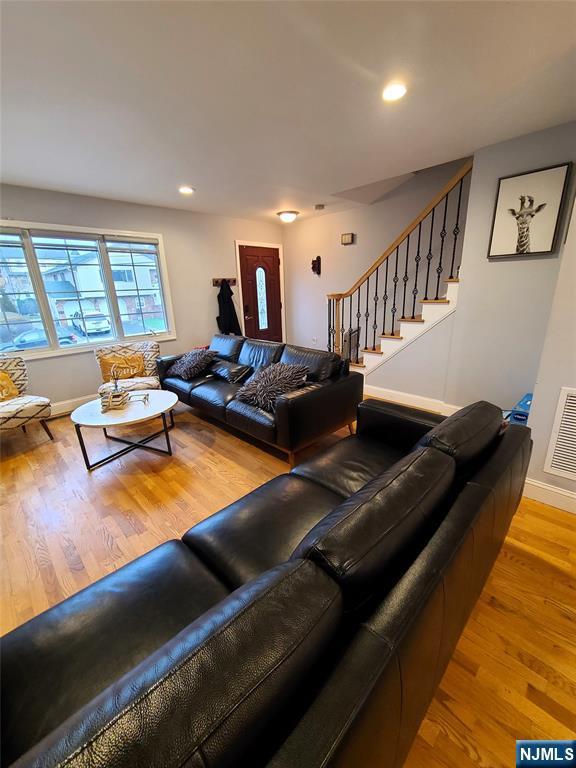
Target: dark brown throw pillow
<point>270,382</point>
<point>191,364</point>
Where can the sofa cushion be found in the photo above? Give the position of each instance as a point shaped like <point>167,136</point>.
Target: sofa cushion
<point>183,388</point>
<point>215,690</point>
<point>192,364</point>
<point>268,383</point>
<point>227,347</point>
<point>252,420</point>
<point>75,650</point>
<point>213,397</point>
<point>349,464</point>
<point>467,433</point>
<point>369,540</point>
<point>232,372</point>
<point>321,365</point>
<point>257,353</point>
<point>261,529</point>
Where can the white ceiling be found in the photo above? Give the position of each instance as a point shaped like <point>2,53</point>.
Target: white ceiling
<point>269,105</point>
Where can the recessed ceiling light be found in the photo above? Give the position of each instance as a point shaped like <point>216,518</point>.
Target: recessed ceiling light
<point>393,91</point>
<point>186,190</point>
<point>287,216</point>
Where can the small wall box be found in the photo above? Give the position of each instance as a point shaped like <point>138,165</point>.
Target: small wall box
<point>347,238</point>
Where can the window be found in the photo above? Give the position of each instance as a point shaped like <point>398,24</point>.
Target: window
<point>21,324</point>
<point>261,298</point>
<point>59,290</point>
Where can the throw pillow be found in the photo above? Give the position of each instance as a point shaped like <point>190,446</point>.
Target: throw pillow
<point>8,389</point>
<point>232,372</point>
<point>268,383</point>
<point>191,364</point>
<point>125,366</point>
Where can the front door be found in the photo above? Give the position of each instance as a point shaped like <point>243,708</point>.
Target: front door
<point>261,302</point>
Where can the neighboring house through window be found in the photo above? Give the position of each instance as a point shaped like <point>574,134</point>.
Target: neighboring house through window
<point>62,289</point>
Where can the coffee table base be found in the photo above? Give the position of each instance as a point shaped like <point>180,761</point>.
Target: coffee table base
<point>131,445</point>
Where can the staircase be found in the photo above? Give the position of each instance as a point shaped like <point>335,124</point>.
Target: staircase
<point>410,288</point>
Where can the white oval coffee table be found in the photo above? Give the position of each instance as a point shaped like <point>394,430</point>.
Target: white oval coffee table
<point>160,402</point>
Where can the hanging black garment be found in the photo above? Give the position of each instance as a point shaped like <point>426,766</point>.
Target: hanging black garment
<point>227,319</point>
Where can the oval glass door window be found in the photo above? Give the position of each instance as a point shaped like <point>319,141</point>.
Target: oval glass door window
<point>261,298</point>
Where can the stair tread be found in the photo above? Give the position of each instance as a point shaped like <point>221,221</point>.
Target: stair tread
<point>435,301</point>
<point>391,336</point>
<point>452,280</point>
<point>357,365</point>
<point>417,319</point>
<point>371,351</point>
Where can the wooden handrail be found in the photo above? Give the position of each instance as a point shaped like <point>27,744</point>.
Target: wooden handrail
<point>466,168</point>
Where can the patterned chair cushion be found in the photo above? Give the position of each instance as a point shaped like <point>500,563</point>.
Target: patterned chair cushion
<point>131,385</point>
<point>150,351</point>
<point>15,367</point>
<point>23,409</point>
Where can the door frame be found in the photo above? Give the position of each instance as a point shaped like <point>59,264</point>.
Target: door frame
<point>278,246</point>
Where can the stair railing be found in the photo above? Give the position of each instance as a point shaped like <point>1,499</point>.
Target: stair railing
<point>411,267</point>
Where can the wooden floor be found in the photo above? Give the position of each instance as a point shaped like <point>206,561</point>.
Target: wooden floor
<point>513,674</point>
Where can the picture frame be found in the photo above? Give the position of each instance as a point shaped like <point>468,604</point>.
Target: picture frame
<point>528,212</point>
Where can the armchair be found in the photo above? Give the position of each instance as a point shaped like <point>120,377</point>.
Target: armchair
<point>23,409</point>
<point>150,351</point>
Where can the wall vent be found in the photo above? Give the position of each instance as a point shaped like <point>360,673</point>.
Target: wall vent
<point>561,456</point>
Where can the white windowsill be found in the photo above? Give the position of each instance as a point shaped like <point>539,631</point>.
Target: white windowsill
<point>41,354</point>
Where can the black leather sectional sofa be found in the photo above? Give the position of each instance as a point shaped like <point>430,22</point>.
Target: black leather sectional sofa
<point>327,402</point>
<point>306,625</point>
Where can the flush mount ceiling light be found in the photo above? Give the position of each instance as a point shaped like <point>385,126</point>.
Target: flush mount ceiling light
<point>287,216</point>
<point>186,190</point>
<point>394,91</point>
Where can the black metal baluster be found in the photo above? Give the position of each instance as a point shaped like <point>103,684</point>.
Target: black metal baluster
<point>429,255</point>
<point>329,325</point>
<point>405,278</point>
<point>342,325</point>
<point>456,230</point>
<point>350,329</point>
<point>375,323</point>
<point>395,281</point>
<point>418,259</point>
<point>443,233</point>
<point>366,314</point>
<point>357,334</point>
<point>385,298</point>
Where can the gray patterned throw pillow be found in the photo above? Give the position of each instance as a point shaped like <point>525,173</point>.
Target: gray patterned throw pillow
<point>191,364</point>
<point>270,382</point>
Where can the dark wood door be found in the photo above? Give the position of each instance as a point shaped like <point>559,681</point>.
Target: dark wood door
<point>261,303</point>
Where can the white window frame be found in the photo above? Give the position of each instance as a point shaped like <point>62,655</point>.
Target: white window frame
<point>169,335</point>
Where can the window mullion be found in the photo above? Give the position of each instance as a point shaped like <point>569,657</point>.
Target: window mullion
<point>110,289</point>
<point>39,290</point>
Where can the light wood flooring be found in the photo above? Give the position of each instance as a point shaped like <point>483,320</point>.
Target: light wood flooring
<point>513,674</point>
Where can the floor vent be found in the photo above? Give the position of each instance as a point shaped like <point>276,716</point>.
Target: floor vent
<point>561,456</point>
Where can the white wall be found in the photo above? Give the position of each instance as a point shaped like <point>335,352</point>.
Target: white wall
<point>420,367</point>
<point>375,226</point>
<point>503,305</point>
<point>198,247</point>
<point>557,365</point>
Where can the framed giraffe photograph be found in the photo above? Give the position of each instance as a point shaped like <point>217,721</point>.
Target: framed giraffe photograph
<point>528,212</point>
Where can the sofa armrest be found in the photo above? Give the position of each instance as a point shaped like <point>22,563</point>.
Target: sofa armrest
<point>397,425</point>
<point>317,409</point>
<point>164,363</point>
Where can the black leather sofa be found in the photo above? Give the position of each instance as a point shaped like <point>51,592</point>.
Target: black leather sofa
<point>327,402</point>
<point>306,625</point>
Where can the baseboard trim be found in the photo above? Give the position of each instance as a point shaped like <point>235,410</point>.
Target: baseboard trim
<point>550,494</point>
<point>63,407</point>
<point>416,401</point>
